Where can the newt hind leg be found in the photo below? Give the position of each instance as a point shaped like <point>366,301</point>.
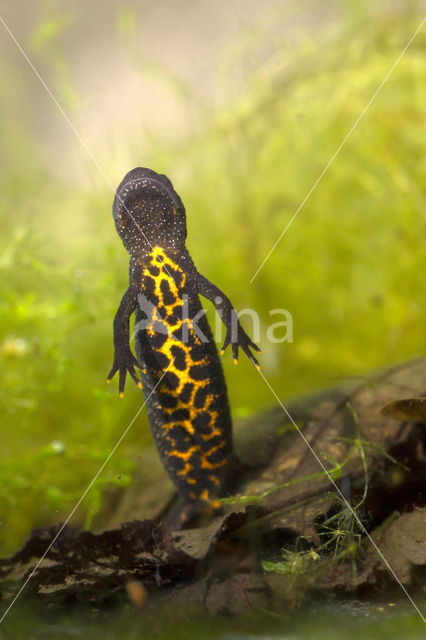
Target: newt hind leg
<point>191,515</point>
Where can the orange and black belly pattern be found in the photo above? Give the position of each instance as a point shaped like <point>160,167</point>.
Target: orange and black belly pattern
<point>188,409</point>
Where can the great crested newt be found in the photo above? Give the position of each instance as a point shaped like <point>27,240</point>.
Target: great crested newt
<point>181,372</point>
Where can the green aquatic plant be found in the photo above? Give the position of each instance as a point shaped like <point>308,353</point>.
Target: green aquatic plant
<point>336,470</point>
<point>349,269</point>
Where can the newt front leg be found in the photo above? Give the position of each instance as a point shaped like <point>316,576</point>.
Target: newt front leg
<point>124,360</point>
<point>235,334</point>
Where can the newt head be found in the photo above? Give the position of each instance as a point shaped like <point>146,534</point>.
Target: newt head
<point>148,212</point>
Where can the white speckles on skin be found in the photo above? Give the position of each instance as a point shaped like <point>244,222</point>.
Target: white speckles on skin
<point>149,212</point>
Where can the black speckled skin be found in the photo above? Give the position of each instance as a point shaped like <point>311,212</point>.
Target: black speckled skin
<point>182,376</point>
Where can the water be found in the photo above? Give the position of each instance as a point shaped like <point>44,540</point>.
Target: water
<point>320,619</point>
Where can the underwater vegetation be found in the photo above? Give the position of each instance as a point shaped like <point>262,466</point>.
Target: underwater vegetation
<point>350,269</point>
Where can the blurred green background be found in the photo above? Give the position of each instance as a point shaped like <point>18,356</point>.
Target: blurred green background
<point>242,106</point>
